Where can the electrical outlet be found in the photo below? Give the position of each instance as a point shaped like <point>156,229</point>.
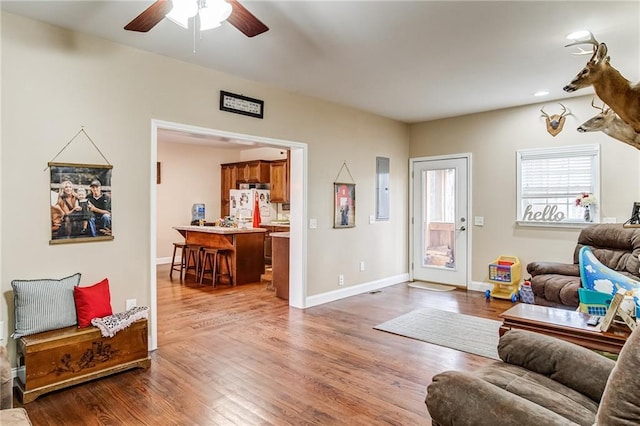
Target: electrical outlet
<point>340,279</point>
<point>361,265</point>
<point>131,303</point>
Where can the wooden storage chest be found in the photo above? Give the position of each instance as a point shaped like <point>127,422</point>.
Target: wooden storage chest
<point>60,358</point>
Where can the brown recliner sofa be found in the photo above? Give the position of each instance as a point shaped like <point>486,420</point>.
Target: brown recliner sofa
<point>556,284</point>
<point>541,381</point>
<point>9,416</point>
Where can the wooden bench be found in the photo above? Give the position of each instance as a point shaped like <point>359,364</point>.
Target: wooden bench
<point>60,358</point>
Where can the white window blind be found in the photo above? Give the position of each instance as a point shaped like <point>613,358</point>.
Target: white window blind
<point>550,179</point>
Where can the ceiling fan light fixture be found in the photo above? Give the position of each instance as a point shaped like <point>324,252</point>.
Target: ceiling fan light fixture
<point>183,10</point>
<point>213,14</point>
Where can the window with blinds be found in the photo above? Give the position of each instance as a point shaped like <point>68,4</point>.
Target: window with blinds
<point>550,180</point>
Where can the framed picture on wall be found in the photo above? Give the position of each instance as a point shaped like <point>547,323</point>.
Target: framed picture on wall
<point>344,196</point>
<point>80,203</point>
<point>635,214</point>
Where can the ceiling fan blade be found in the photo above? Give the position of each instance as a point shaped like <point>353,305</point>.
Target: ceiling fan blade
<point>150,17</point>
<point>244,20</point>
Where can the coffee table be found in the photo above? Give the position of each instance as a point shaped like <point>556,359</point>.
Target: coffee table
<point>564,324</point>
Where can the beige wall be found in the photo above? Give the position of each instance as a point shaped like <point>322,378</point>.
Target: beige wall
<point>54,81</point>
<point>190,174</point>
<point>493,139</point>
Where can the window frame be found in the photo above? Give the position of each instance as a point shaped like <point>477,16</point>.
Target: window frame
<point>560,152</point>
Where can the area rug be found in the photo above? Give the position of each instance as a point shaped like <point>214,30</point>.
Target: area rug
<point>431,286</point>
<point>450,329</point>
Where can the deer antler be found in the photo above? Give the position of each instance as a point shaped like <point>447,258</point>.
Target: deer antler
<point>544,114</point>
<point>591,40</point>
<point>597,107</point>
<point>564,110</point>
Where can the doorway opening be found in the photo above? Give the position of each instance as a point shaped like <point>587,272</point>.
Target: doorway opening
<point>298,206</point>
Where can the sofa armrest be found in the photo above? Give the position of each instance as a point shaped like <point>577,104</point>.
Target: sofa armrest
<point>540,268</point>
<point>574,366</point>
<point>457,398</point>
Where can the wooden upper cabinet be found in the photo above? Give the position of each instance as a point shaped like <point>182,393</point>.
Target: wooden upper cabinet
<point>279,189</point>
<point>228,182</point>
<point>253,172</point>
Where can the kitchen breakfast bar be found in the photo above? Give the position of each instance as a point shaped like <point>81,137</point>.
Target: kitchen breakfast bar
<point>246,246</point>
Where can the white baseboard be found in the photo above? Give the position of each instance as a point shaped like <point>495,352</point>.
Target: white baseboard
<point>164,260</point>
<point>479,286</point>
<point>341,293</point>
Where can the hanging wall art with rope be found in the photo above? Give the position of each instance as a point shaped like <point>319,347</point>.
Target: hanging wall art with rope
<point>80,200</point>
<point>344,196</point>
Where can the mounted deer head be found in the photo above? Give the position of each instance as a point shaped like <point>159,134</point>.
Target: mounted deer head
<point>610,86</point>
<point>610,124</point>
<point>556,121</point>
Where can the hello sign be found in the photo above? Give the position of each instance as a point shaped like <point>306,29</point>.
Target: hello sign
<point>548,214</point>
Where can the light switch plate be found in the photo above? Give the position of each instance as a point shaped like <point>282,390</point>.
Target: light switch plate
<point>313,223</point>
<point>478,220</point>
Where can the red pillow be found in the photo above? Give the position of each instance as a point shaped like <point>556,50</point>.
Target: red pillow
<point>92,302</point>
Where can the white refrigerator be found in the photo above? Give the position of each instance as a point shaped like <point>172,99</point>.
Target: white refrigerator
<point>242,203</point>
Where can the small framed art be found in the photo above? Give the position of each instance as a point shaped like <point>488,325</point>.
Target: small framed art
<point>344,195</point>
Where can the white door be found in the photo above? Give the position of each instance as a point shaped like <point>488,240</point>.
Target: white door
<point>440,227</point>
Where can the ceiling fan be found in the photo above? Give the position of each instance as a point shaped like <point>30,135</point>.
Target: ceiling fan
<point>239,16</point>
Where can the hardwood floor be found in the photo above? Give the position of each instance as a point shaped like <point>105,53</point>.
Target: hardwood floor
<point>240,356</point>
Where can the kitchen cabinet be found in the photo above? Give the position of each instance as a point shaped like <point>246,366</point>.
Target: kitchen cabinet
<point>279,181</point>
<point>228,182</point>
<point>253,172</point>
<point>281,264</point>
<point>267,240</point>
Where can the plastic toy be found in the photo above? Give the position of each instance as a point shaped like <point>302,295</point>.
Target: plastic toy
<point>505,273</point>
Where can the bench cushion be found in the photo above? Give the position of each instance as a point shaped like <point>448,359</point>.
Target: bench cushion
<point>44,304</point>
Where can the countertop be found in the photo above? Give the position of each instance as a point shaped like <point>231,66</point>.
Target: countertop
<point>280,234</point>
<point>284,225</point>
<point>218,229</point>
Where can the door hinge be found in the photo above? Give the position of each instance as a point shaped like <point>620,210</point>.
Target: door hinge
<point>412,266</point>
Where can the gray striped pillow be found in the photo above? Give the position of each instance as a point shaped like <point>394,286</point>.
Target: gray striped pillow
<point>43,305</point>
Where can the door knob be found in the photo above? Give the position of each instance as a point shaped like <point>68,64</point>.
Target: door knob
<point>462,228</point>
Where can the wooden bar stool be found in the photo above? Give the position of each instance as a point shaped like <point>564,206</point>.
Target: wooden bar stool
<point>209,255</point>
<point>227,255</point>
<point>183,260</point>
<point>194,255</point>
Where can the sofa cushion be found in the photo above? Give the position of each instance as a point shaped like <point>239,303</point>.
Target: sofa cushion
<point>457,398</point>
<point>620,404</point>
<point>560,290</point>
<point>14,417</point>
<point>43,304</point>
<point>542,391</point>
<point>557,359</point>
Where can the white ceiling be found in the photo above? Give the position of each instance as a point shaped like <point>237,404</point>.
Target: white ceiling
<point>411,61</point>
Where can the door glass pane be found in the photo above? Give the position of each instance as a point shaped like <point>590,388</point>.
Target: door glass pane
<point>439,218</point>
